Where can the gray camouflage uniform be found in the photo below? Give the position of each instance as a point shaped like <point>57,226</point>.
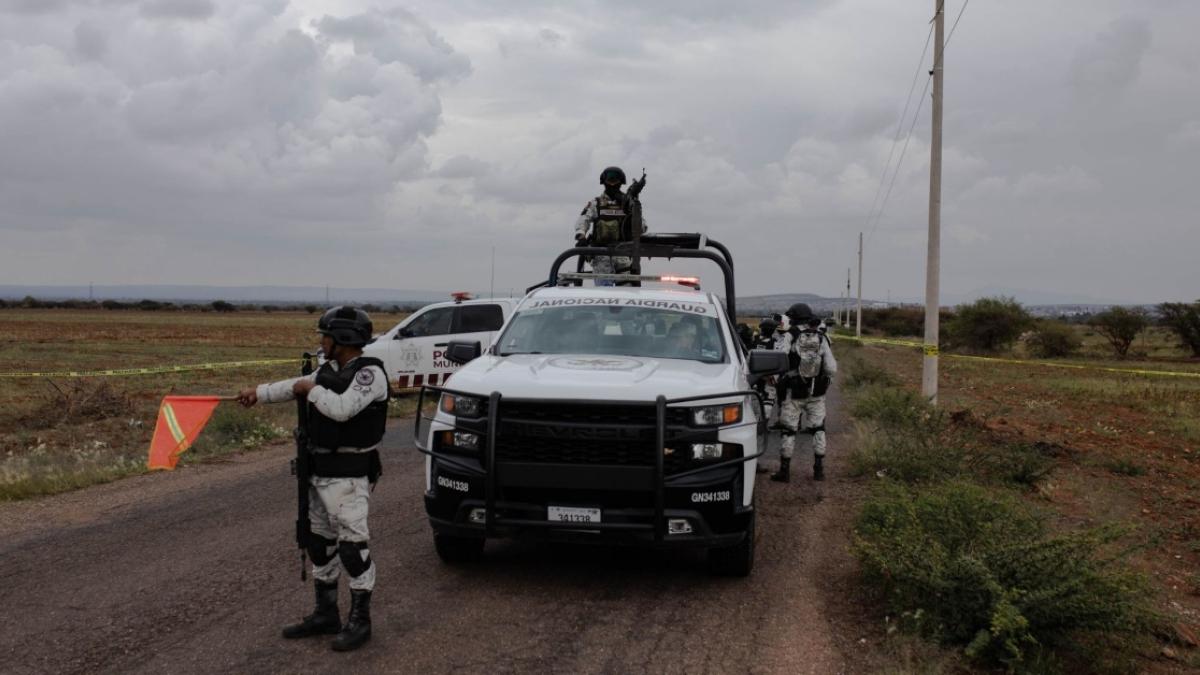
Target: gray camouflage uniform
<point>337,507</point>
<point>806,414</point>
<point>603,264</point>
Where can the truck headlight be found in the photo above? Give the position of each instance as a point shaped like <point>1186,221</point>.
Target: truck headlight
<point>461,406</point>
<point>708,450</point>
<point>464,440</point>
<point>714,415</point>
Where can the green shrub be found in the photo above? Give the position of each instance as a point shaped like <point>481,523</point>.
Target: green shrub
<point>860,373</point>
<point>896,409</point>
<point>969,567</point>
<point>1120,326</point>
<point>988,324</point>
<point>1053,339</point>
<point>1184,319</point>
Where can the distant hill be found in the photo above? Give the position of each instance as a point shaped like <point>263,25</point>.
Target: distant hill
<point>236,294</point>
<point>763,305</point>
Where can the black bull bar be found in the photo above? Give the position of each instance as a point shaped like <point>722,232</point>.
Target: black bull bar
<point>661,480</point>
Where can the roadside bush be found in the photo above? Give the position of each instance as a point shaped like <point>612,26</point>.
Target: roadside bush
<point>311,309</point>
<point>968,567</point>
<point>1052,339</point>
<point>1120,326</point>
<point>897,409</point>
<point>1184,319</point>
<point>895,321</point>
<point>988,324</point>
<point>860,373</point>
<point>223,306</point>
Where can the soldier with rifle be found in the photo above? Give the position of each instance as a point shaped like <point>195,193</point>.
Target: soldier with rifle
<point>343,411</point>
<point>613,218</point>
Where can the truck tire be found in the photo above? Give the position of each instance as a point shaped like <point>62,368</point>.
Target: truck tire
<point>457,550</point>
<point>736,560</point>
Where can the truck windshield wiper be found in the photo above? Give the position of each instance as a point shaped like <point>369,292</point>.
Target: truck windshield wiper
<point>514,353</point>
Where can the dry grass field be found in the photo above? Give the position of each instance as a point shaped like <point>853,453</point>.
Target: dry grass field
<point>1125,448</point>
<point>61,433</point>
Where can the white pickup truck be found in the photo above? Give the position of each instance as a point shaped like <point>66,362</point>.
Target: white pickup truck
<point>414,351</point>
<point>604,414</point>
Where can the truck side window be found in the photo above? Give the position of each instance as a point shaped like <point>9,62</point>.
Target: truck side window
<point>433,322</point>
<point>479,318</point>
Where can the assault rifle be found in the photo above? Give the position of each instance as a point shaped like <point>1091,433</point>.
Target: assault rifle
<point>632,198</point>
<point>301,470</point>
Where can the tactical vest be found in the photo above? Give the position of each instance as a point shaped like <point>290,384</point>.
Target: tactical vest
<point>364,430</point>
<point>805,363</point>
<point>611,223</point>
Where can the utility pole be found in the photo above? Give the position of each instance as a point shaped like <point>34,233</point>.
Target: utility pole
<point>929,366</point>
<point>846,305</point>
<point>492,283</point>
<point>858,322</point>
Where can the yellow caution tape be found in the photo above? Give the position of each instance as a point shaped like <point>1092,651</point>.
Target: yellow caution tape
<point>932,350</point>
<point>151,371</point>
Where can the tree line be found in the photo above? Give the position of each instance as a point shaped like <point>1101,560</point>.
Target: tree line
<point>994,324</point>
<point>223,306</point>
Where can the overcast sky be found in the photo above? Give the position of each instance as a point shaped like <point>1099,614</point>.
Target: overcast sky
<point>378,144</point>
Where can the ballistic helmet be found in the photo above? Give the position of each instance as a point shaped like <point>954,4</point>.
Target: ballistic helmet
<point>800,313</point>
<point>347,325</point>
<point>611,173</point>
<point>767,326</point>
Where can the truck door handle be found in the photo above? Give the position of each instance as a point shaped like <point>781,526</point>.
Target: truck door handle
<point>440,344</point>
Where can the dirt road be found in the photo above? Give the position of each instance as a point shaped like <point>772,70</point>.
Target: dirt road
<point>195,571</point>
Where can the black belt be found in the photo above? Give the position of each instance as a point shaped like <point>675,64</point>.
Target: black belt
<point>346,464</point>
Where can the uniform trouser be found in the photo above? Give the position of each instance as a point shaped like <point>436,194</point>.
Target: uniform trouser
<point>337,509</point>
<point>804,416</point>
<point>603,264</point>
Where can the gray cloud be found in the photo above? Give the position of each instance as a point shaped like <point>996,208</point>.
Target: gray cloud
<point>405,143</point>
<point>189,10</point>
<point>1111,61</point>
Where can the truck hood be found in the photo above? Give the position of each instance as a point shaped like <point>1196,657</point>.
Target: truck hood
<point>595,377</point>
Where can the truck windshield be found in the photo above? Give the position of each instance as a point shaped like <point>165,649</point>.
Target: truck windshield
<point>627,330</point>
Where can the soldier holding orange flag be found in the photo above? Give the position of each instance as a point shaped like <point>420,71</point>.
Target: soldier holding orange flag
<point>347,399</point>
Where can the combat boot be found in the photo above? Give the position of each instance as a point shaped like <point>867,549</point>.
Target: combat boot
<point>358,623</point>
<point>818,467</point>
<point>784,474</point>
<point>325,619</point>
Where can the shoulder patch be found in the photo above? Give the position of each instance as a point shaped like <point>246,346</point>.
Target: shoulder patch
<point>364,377</point>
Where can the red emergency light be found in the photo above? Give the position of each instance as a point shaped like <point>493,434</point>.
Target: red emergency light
<point>459,296</point>
<point>694,282</point>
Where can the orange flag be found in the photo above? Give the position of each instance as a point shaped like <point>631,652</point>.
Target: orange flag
<point>180,419</point>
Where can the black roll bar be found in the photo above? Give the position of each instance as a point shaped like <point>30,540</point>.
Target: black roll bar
<point>488,469</point>
<point>652,250</point>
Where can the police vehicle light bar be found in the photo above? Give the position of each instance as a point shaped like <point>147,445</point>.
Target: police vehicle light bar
<point>693,282</point>
<point>459,296</point>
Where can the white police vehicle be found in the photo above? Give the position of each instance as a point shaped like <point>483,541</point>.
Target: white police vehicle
<point>414,351</point>
<point>604,414</point>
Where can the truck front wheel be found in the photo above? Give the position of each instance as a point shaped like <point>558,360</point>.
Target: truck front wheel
<point>456,550</point>
<point>736,560</point>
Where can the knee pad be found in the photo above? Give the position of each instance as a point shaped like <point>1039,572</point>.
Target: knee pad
<point>320,550</point>
<point>787,432</point>
<point>352,560</point>
<point>813,430</point>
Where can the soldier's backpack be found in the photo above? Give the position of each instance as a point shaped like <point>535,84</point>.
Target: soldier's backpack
<point>804,362</point>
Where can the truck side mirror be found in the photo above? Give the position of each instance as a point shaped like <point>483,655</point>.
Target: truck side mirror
<point>461,352</point>
<point>767,362</point>
<point>403,333</point>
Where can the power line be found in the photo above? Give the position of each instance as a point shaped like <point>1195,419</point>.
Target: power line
<point>900,161</point>
<point>916,115</point>
<point>956,19</point>
<point>900,125</point>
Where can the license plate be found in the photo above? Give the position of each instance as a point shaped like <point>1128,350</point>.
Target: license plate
<point>572,514</point>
